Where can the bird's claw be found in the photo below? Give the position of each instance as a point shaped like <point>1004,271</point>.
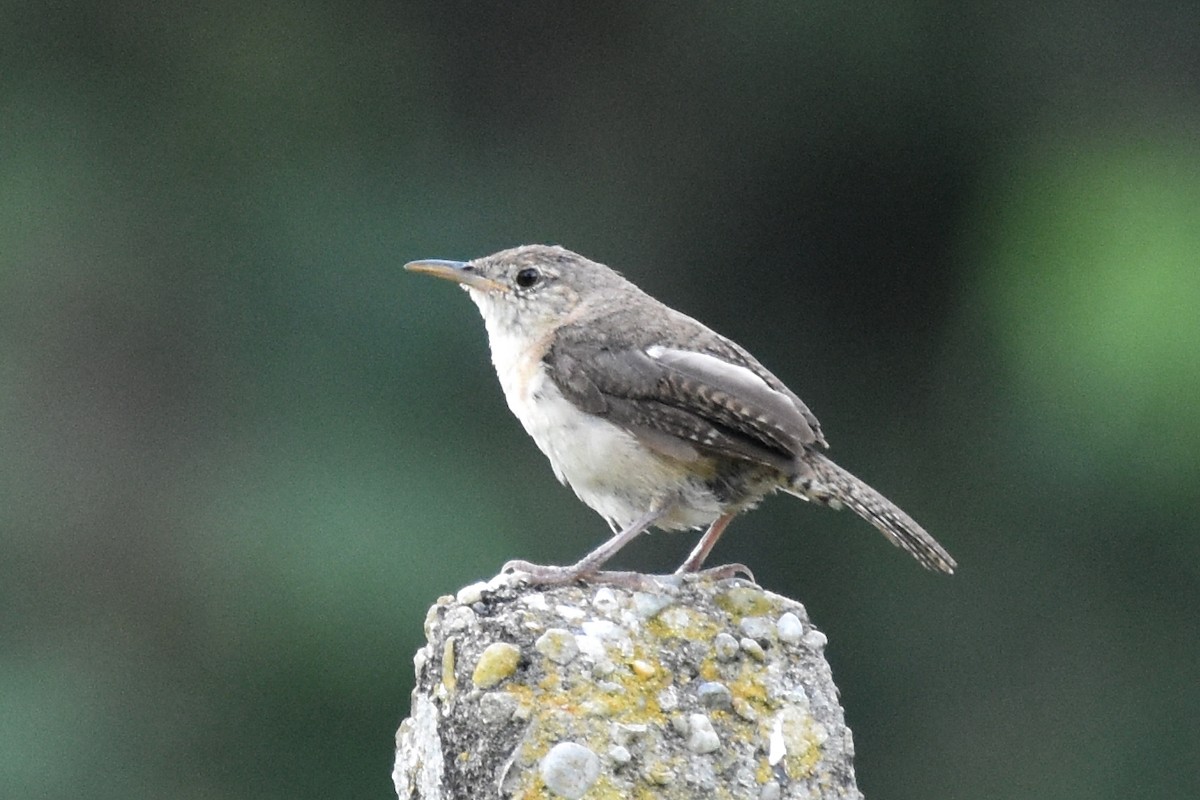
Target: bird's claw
<point>722,572</point>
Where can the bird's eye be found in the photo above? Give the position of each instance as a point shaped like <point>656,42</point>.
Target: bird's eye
<point>528,277</point>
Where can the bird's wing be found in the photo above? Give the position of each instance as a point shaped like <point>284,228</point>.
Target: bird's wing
<point>688,399</point>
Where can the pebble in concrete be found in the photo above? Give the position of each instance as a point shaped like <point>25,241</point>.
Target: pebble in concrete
<point>470,595</point>
<point>815,640</point>
<point>715,695</point>
<point>753,649</point>
<point>725,646</point>
<point>759,628</point>
<point>702,738</point>
<point>569,769</point>
<point>624,733</point>
<point>604,600</point>
<point>558,645</point>
<point>499,660</point>
<point>770,791</point>
<point>643,669</point>
<point>789,628</point>
<point>619,754</point>
<point>647,605</point>
<point>496,708</point>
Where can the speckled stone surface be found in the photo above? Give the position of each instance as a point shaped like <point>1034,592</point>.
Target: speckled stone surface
<point>686,688</point>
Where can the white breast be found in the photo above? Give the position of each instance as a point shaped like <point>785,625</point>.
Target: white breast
<point>609,470</point>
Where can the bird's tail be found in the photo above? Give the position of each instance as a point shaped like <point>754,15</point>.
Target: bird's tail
<point>825,482</point>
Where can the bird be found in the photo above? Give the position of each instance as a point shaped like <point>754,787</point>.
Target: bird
<point>651,417</point>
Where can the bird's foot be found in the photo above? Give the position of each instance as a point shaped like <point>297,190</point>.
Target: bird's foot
<point>545,575</point>
<point>720,573</point>
<point>542,573</point>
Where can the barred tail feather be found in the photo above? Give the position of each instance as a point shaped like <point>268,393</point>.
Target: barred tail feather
<point>826,482</point>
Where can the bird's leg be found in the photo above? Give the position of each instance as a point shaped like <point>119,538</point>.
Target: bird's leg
<point>703,547</point>
<point>587,566</point>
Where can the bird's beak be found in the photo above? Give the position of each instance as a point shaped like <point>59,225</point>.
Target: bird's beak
<point>457,271</point>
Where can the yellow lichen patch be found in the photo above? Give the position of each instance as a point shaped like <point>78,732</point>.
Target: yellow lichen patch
<point>536,791</point>
<point>679,622</point>
<point>709,670</point>
<point>801,740</point>
<point>659,774</point>
<point>637,702</point>
<point>448,679</point>
<point>631,695</point>
<point>802,764</point>
<point>603,789</point>
<point>498,661</point>
<point>628,698</point>
<point>749,687</point>
<point>533,748</point>
<point>523,693</point>
<point>745,601</point>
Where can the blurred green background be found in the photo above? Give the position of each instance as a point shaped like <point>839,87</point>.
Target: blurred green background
<point>242,451</point>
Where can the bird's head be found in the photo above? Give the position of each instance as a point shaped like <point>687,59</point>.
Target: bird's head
<point>529,289</point>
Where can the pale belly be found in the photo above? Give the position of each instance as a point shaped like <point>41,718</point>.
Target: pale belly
<point>610,471</point>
